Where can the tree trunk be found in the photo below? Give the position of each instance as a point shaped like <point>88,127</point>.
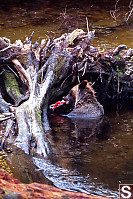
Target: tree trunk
<point>51,69</point>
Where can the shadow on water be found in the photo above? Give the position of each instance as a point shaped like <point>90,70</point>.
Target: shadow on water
<point>76,164</point>
<point>90,155</point>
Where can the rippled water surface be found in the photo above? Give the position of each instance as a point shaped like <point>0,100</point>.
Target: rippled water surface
<point>87,155</point>
<point>17,22</point>
<point>92,156</point>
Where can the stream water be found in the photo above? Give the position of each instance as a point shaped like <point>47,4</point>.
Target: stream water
<point>91,156</point>
<point>54,18</point>
<point>87,155</point>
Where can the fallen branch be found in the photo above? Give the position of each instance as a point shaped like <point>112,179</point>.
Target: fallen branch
<point>5,116</point>
<point>8,128</point>
<point>22,72</point>
<point>51,69</point>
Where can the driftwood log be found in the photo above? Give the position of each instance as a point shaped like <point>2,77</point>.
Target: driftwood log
<point>33,76</point>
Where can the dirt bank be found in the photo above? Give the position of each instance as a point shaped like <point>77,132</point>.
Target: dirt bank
<point>12,188</point>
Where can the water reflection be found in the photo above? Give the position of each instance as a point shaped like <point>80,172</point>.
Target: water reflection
<point>90,156</point>
<point>76,132</point>
<point>74,165</point>
<point>87,155</point>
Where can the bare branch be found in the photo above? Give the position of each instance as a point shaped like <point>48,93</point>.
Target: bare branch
<point>87,25</point>
<point>128,15</point>
<point>116,12</point>
<point>8,127</point>
<point>23,74</point>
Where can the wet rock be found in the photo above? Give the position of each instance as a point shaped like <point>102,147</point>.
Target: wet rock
<point>13,189</point>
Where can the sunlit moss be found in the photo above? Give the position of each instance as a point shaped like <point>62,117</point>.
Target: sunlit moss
<point>3,163</point>
<point>11,84</point>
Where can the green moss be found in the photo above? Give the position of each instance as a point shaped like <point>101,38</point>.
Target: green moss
<point>59,66</point>
<point>117,57</point>
<point>11,84</point>
<point>118,70</point>
<point>39,117</point>
<point>39,78</point>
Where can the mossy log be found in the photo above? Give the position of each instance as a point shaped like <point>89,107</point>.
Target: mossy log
<point>45,72</point>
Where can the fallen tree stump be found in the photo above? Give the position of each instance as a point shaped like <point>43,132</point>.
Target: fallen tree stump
<point>45,72</point>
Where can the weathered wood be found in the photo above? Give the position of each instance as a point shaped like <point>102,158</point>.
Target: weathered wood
<point>5,116</point>
<point>51,69</point>
<point>8,128</point>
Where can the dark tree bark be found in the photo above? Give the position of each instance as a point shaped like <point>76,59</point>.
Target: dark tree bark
<point>49,70</point>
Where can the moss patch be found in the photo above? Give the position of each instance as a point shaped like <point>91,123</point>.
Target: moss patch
<point>11,84</point>
<point>39,117</point>
<point>12,87</point>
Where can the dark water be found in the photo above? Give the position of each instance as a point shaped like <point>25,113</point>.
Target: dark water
<point>87,155</point>
<point>52,18</point>
<point>90,156</point>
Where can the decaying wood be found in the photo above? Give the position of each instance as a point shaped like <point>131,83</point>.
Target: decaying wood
<point>8,127</point>
<point>51,69</point>
<point>5,116</point>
